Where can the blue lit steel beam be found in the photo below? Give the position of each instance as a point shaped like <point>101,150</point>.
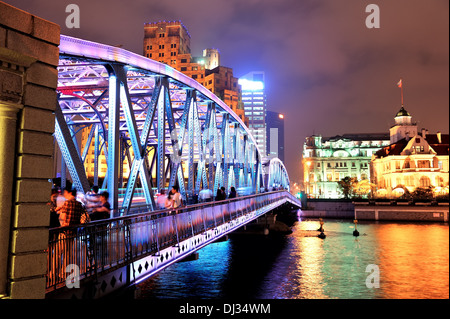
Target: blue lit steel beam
<point>113,136</point>
<point>96,154</point>
<point>139,163</point>
<point>69,153</point>
<point>161,137</point>
<point>201,172</point>
<point>226,141</point>
<point>179,142</point>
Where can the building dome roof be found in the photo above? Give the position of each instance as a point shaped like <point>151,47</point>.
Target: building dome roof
<point>402,112</point>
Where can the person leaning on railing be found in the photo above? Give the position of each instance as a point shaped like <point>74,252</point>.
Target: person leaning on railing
<point>177,199</point>
<point>233,193</point>
<point>102,212</point>
<point>70,212</point>
<point>93,200</point>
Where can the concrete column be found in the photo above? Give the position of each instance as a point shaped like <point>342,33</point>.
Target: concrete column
<point>8,121</point>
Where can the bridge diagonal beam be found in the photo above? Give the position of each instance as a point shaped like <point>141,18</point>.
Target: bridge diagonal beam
<point>201,173</point>
<point>139,162</point>
<point>206,146</point>
<point>88,144</point>
<point>176,162</point>
<point>176,147</point>
<point>69,152</point>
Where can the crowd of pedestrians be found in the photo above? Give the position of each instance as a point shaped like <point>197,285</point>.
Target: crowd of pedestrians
<point>173,200</point>
<point>68,208</point>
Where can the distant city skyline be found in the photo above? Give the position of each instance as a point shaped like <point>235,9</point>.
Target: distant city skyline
<point>325,70</point>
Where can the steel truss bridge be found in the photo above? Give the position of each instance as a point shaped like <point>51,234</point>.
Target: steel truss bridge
<point>164,129</point>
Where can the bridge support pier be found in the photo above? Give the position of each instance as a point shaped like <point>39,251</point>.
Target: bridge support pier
<point>193,256</point>
<point>29,56</point>
<point>223,238</point>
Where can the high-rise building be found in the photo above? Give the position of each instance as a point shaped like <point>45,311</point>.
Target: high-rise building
<point>222,83</point>
<point>254,99</point>
<point>169,42</point>
<point>327,160</point>
<point>275,134</point>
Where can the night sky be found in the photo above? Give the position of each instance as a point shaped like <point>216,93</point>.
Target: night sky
<point>325,70</point>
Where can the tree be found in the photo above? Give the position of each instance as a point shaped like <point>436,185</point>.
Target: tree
<point>347,186</point>
<point>423,193</point>
<point>363,189</point>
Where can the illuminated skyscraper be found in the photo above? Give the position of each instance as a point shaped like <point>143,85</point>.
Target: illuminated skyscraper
<point>254,99</point>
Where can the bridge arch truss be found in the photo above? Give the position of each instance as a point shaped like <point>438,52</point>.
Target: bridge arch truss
<point>157,124</point>
<point>275,175</point>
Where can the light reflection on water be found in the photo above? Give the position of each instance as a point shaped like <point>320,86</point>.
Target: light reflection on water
<point>413,260</point>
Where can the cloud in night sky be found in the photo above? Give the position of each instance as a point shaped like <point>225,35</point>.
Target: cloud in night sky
<point>324,69</point>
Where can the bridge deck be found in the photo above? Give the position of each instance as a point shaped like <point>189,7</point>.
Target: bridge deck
<point>120,251</point>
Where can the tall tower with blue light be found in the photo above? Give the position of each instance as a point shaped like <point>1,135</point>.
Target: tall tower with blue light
<point>255,105</point>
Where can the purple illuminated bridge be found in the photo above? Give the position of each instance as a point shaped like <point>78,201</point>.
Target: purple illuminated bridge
<point>134,127</point>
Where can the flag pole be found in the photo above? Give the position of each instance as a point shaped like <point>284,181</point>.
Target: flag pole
<point>400,85</point>
<point>401,88</point>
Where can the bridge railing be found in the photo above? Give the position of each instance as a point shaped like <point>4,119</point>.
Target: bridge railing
<point>109,244</point>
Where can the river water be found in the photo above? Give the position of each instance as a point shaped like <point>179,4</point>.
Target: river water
<point>406,260</point>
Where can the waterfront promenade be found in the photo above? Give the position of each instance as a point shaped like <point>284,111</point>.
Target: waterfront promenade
<point>377,210</point>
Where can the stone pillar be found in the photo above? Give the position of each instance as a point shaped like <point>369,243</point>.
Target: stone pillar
<point>8,119</point>
<point>29,56</point>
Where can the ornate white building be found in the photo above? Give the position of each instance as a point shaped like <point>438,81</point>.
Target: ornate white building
<point>328,160</point>
<point>413,159</point>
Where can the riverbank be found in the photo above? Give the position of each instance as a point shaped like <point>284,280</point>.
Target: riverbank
<point>382,210</point>
<point>329,208</point>
<point>425,213</point>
